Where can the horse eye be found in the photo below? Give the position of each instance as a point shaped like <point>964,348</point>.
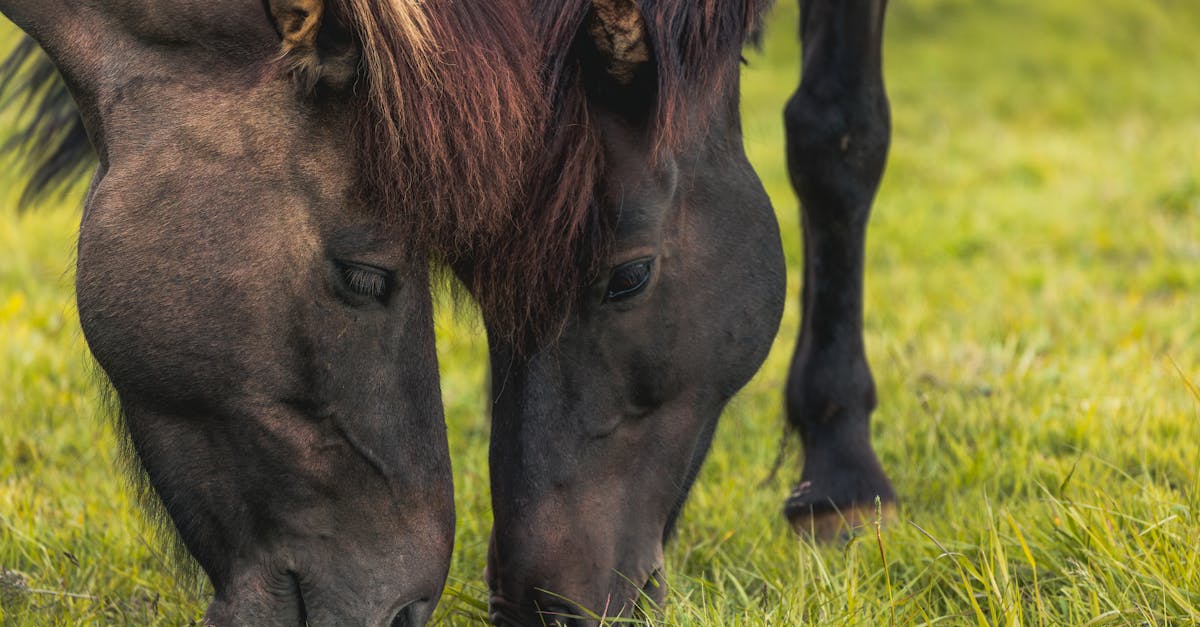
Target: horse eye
<point>629,279</point>
<point>365,280</point>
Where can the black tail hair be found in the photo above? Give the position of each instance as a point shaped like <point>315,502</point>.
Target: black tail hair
<point>50,143</point>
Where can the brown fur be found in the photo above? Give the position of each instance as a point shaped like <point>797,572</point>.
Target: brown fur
<point>450,104</point>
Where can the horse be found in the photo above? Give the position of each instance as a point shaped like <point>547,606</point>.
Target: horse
<point>253,271</point>
<point>598,434</point>
<point>594,199</point>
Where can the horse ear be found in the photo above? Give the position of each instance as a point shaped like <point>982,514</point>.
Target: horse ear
<point>316,49</point>
<point>618,30</point>
<point>298,22</point>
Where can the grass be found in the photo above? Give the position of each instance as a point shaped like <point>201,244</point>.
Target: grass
<point>1033,285</point>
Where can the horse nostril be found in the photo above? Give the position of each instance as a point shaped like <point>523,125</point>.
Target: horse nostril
<point>501,612</point>
<point>561,614</point>
<point>412,615</point>
<point>403,618</point>
<point>654,592</point>
<point>298,592</point>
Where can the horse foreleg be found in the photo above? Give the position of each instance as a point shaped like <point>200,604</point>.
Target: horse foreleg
<point>838,130</point>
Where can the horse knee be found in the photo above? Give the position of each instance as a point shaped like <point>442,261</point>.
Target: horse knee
<point>837,144</point>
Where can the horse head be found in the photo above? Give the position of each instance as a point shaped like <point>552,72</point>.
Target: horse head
<point>599,429</point>
<point>253,273</point>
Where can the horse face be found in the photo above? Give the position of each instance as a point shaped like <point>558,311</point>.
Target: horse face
<point>598,436</point>
<point>271,344</point>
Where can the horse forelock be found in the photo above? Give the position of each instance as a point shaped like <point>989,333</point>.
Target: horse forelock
<point>695,48</point>
<point>449,104</point>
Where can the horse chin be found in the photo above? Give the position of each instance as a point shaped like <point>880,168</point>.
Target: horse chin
<point>277,594</point>
<point>630,596</point>
<point>294,610</point>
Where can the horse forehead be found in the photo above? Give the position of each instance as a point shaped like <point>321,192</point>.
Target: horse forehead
<point>221,117</point>
<point>240,24</point>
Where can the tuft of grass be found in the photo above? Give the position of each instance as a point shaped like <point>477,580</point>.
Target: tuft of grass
<point>1032,276</point>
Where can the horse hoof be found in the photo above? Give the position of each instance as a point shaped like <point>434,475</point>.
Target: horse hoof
<point>824,522</point>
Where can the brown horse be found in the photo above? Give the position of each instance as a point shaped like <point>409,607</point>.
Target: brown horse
<point>598,432</point>
<point>253,269</point>
<point>253,278</point>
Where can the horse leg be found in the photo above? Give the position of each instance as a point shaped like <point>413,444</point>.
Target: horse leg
<point>838,130</point>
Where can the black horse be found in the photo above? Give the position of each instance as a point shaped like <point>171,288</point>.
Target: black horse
<point>598,433</point>
<point>254,258</point>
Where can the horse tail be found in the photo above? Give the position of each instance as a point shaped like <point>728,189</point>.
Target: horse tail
<point>50,142</point>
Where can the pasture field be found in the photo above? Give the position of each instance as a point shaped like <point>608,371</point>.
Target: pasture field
<point>1033,320</point>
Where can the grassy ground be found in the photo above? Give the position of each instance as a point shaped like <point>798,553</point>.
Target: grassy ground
<point>1033,289</point>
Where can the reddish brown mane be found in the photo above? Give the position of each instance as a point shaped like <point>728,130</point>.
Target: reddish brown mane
<point>451,106</point>
<point>487,149</point>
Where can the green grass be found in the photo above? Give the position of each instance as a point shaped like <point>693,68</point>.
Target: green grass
<point>1033,284</point>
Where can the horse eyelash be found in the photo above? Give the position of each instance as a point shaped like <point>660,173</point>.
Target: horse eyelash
<point>365,282</point>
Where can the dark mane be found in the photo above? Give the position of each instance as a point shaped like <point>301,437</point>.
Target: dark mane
<point>50,140</point>
<point>527,282</point>
<point>694,48</point>
<point>449,102</point>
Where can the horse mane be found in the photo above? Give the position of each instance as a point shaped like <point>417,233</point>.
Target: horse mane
<point>695,44</point>
<point>50,140</point>
<point>527,283</point>
<point>448,106</point>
